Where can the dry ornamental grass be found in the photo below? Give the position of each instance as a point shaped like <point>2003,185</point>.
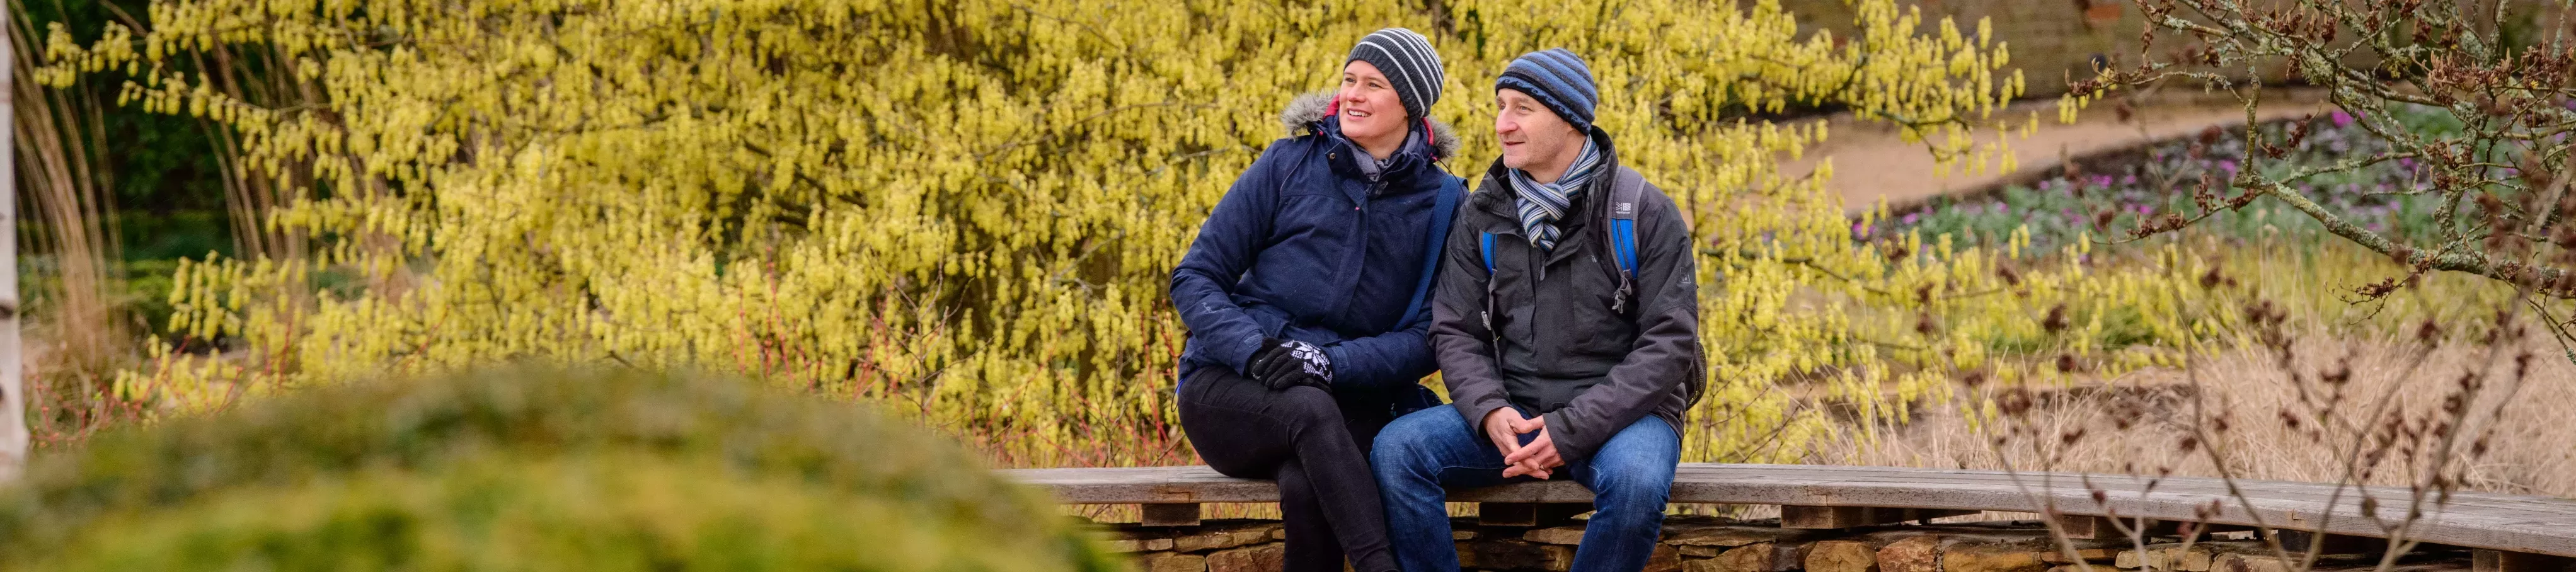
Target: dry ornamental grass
<point>2133,424</point>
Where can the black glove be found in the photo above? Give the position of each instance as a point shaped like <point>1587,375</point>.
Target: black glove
<point>1283,364</point>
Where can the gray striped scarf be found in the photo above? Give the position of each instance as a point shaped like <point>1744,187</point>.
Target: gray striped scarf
<point>1542,203</point>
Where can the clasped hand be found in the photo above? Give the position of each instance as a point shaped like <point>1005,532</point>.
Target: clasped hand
<point>1504,426</point>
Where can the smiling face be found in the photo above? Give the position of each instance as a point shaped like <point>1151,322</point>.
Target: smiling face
<point>1534,139</point>
<point>1370,111</point>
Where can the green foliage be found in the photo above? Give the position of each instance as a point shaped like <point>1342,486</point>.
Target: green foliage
<point>2116,195</point>
<point>149,185</point>
<point>531,469</point>
<point>159,164</point>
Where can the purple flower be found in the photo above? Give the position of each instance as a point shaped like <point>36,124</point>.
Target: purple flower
<point>1856,230</point>
<point>2129,179</point>
<point>2228,165</point>
<point>1999,208</point>
<point>2101,180</point>
<point>2407,162</point>
<point>1909,217</point>
<point>2342,119</point>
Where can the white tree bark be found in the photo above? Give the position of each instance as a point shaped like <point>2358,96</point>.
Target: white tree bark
<point>13,394</point>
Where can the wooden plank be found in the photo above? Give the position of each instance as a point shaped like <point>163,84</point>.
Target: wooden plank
<point>1542,492</point>
<point>2501,561</point>
<point>2510,523</point>
<point>1175,514</point>
<point>1528,514</point>
<point>1826,517</point>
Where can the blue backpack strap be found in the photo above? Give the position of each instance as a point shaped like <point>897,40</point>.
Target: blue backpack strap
<point>1488,249</point>
<point>1627,193</point>
<point>1627,190</point>
<point>1443,207</point>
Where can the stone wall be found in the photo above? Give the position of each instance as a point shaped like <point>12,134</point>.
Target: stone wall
<point>1708,544</point>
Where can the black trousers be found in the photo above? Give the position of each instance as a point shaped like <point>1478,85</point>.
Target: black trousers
<point>1315,447</point>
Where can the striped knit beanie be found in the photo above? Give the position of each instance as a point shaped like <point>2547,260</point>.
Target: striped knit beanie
<point>1559,80</point>
<point>1409,64</point>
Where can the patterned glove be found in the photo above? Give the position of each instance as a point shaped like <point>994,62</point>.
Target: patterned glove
<point>1283,364</point>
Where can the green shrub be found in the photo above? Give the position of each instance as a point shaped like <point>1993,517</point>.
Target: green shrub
<point>527,470</point>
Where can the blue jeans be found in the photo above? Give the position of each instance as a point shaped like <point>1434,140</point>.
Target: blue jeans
<point>1421,454</point>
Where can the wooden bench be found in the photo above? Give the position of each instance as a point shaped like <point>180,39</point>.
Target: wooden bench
<point>2513,533</point>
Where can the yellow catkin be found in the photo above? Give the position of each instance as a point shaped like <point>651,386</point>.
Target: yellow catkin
<point>968,209</point>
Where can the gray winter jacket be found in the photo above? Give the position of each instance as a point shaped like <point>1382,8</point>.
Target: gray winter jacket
<point>1563,350</point>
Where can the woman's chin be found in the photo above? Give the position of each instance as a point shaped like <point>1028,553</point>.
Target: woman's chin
<point>1368,129</point>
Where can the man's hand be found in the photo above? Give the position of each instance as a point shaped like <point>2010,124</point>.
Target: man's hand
<point>1498,427</point>
<point>1539,456</point>
<point>1501,426</point>
<point>1504,426</point>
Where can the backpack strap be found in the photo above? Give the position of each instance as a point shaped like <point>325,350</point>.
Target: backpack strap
<point>1627,193</point>
<point>1487,317</point>
<point>1627,190</point>
<point>1488,249</point>
<point>1443,208</point>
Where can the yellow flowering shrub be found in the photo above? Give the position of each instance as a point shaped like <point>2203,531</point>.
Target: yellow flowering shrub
<point>969,209</point>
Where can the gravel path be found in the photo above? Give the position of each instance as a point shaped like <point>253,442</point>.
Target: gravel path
<point>1872,164</point>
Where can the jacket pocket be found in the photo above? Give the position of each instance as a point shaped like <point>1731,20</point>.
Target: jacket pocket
<point>1599,331</point>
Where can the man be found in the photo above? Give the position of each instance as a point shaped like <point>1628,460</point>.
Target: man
<point>1566,325</point>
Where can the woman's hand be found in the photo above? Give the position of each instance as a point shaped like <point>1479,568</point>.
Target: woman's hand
<point>1283,364</point>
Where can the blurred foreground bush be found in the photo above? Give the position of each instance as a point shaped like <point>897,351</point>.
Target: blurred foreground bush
<point>531,470</point>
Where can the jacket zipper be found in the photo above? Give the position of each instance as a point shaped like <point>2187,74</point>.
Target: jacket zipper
<point>1360,235</point>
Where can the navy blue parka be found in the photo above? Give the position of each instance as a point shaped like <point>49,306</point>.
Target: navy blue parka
<point>1313,245</point>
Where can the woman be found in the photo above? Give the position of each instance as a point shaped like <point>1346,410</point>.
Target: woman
<point>1304,295</point>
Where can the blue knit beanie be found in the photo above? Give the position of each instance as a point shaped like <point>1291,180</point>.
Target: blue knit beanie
<point>1410,65</point>
<point>1559,80</point>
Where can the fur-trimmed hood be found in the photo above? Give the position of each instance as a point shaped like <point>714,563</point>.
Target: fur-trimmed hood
<point>1305,116</point>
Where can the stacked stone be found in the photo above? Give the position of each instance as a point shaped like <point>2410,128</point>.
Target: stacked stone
<point>2257,556</point>
<point>1213,546</point>
<point>1709,544</point>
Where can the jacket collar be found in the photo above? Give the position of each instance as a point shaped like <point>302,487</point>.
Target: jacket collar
<point>1352,161</point>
